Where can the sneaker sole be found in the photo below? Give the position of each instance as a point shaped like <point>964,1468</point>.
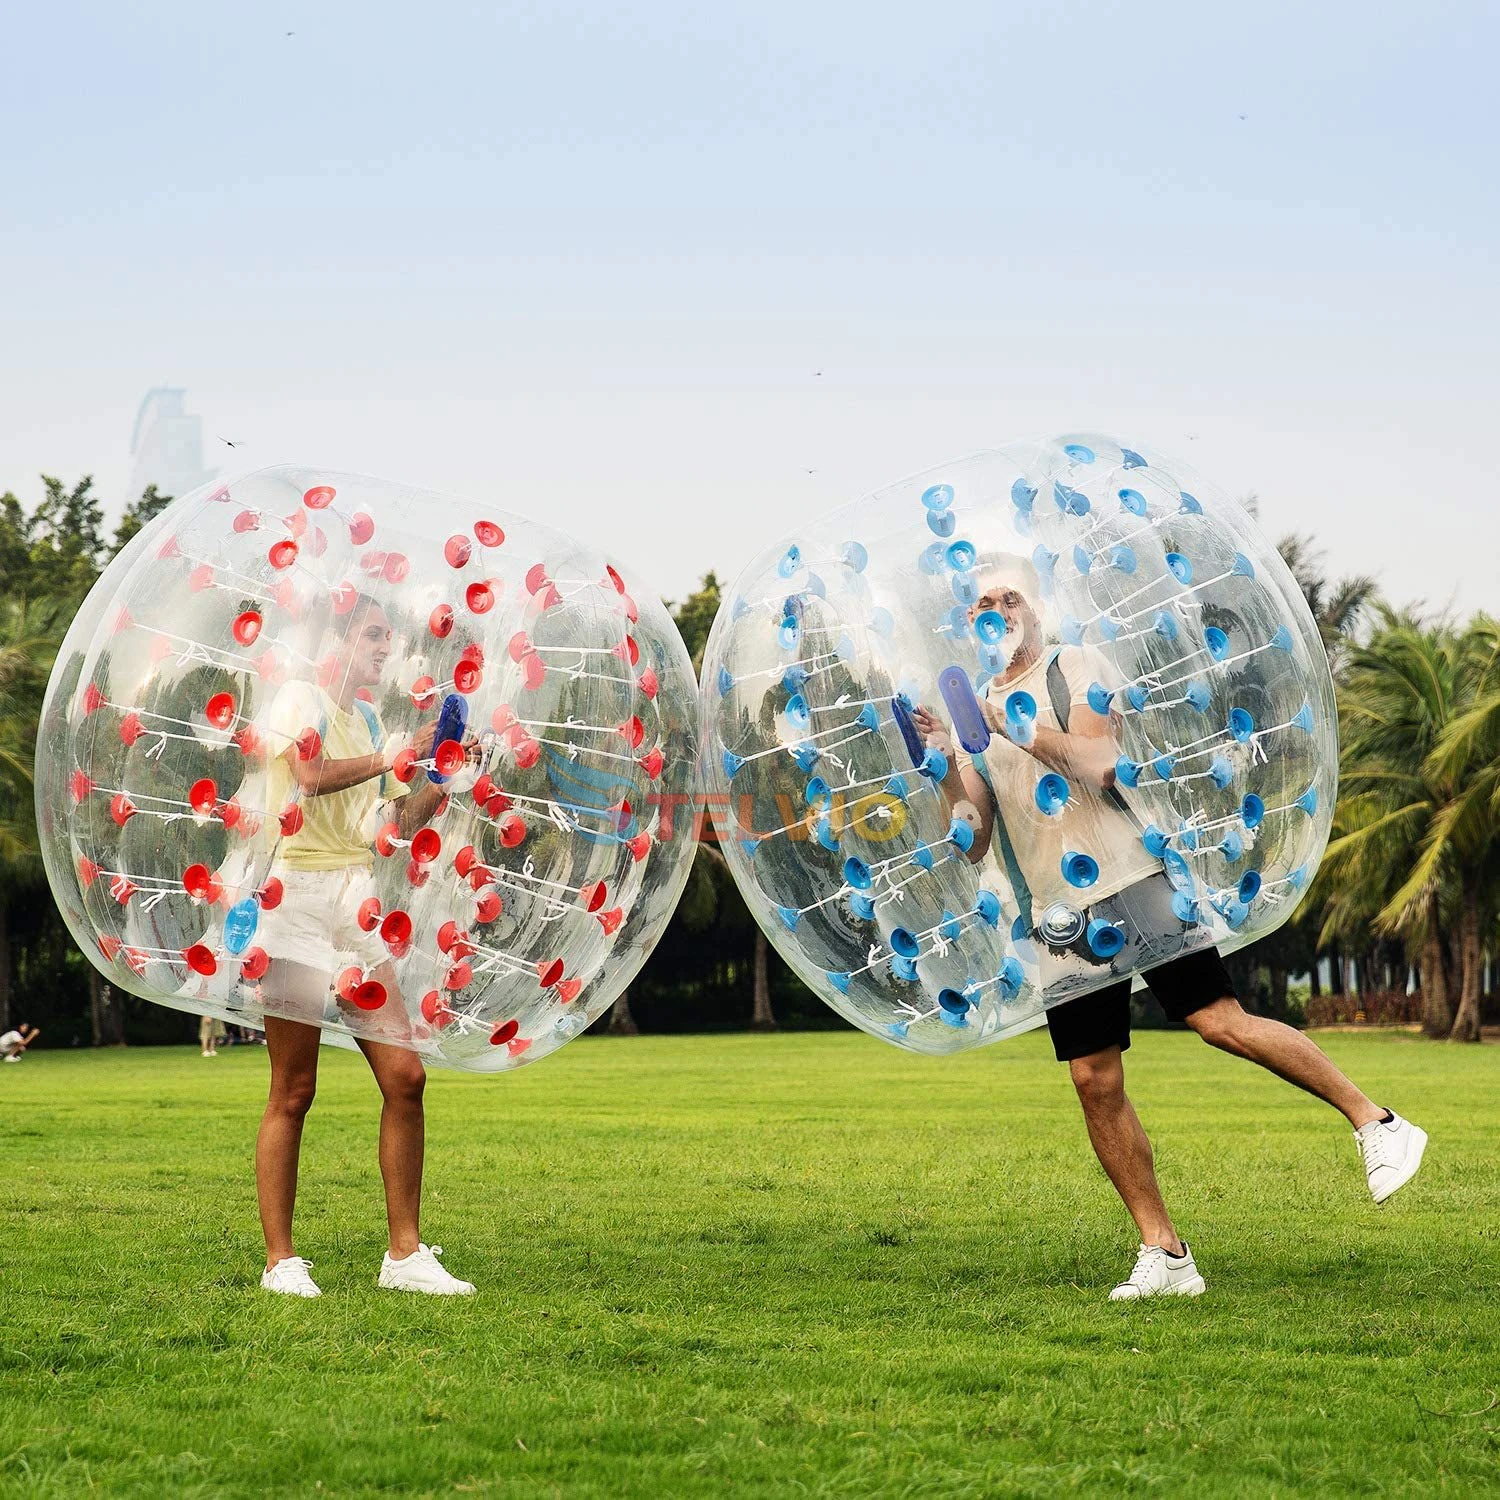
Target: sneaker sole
<point>1194,1288</point>
<point>1414,1162</point>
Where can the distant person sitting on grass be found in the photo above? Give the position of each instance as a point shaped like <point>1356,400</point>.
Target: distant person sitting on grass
<point>13,1044</point>
<point>325,871</point>
<point>1183,969</point>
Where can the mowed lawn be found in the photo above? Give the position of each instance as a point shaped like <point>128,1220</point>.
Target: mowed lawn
<point>804,1265</point>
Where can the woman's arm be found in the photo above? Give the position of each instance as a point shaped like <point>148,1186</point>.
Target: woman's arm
<point>321,775</point>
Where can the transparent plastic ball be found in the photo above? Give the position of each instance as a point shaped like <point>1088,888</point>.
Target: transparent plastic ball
<point>1013,730</point>
<point>381,760</point>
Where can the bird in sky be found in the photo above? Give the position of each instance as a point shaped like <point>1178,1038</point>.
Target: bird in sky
<point>227,443</point>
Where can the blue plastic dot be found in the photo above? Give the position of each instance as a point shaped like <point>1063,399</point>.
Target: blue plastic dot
<point>1023,496</point>
<point>1052,793</point>
<point>990,627</point>
<point>857,873</point>
<point>942,522</point>
<point>904,942</point>
<point>1133,501</point>
<point>1179,567</point>
<point>1104,938</point>
<point>725,681</point>
<point>855,556</point>
<point>1100,697</point>
<point>790,561</point>
<point>1079,453</point>
<point>1216,642</point>
<point>1080,870</point>
<point>938,496</point>
<point>960,556</point>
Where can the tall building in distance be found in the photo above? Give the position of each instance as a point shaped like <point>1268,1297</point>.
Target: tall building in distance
<point>167,445</point>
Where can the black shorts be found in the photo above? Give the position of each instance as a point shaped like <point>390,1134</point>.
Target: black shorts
<point>1101,1019</point>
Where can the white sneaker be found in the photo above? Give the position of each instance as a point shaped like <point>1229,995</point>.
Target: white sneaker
<point>1158,1274</point>
<point>420,1272</point>
<point>1392,1150</point>
<point>290,1278</point>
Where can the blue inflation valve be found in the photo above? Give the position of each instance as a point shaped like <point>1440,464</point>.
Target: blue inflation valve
<point>1051,793</point>
<point>1079,870</point>
<point>897,1030</point>
<point>956,622</point>
<point>1234,913</point>
<point>240,922</point>
<point>1018,930</point>
<point>794,679</point>
<point>969,723</point>
<point>816,587</point>
<point>1104,938</point>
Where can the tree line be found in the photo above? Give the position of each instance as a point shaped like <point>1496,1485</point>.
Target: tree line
<point>1409,890</point>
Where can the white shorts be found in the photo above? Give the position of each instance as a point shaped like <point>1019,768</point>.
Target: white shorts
<point>317,924</point>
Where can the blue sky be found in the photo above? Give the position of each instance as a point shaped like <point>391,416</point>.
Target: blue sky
<point>583,261</point>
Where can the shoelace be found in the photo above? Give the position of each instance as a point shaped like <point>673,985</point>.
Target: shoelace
<point>301,1262</point>
<point>1145,1262</point>
<point>1374,1146</point>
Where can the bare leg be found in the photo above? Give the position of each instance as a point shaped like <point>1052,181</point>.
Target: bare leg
<point>293,1047</point>
<point>1121,1145</point>
<point>402,1079</point>
<point>1284,1051</point>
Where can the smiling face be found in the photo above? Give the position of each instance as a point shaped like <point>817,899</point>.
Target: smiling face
<point>365,649</point>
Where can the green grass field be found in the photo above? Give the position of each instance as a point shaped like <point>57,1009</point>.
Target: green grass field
<point>807,1265</point>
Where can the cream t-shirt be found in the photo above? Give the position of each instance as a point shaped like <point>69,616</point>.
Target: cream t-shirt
<point>1091,823</point>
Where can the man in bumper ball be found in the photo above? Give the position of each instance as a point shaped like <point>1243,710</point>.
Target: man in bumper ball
<point>1091,1032</point>
<point>315,935</point>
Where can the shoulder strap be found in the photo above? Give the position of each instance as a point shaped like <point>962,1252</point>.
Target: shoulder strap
<point>367,713</point>
<point>1018,884</point>
<point>1058,691</point>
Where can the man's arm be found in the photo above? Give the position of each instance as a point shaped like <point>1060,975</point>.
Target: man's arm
<point>1086,751</point>
<point>962,785</point>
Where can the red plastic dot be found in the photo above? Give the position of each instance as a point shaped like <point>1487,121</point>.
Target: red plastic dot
<point>368,915</point>
<point>121,808</point>
<point>467,676</point>
<point>199,882</point>
<point>396,567</point>
<point>136,961</point>
<point>219,710</point>
<point>503,718</point>
<point>518,645</point>
<point>440,621</point>
<point>504,1032</point>
<point>527,753</point>
<point>255,964</point>
<point>536,578</point>
<point>309,744</point>
<point>593,895</point>
<point>349,981</point>
<point>385,840</point>
<point>270,894</point>
<point>533,671</point>
<point>79,786</point>
<point>404,766</point>
<point>200,959</point>
<point>632,731</point>
<point>568,990</point>
<point>480,597</point>
<point>131,728</point>
<point>169,549</point>
<point>291,821</point>
<point>396,929</point>
<point>448,757</point>
<point>342,597</point>
<point>639,846</point>
<point>457,550</point>
<point>611,919</point>
<point>512,829</point>
<point>489,534</point>
<point>109,946</point>
<point>88,871</point>
<point>614,578</point>
<point>489,905</point>
<point>627,650</point>
<point>648,683</point>
<point>417,875</point>
<point>361,528</point>
<point>465,859</point>
<point>370,995</point>
<point>93,698</point>
<point>473,652</point>
<point>426,845</point>
<point>423,692</point>
<point>296,523</point>
<point>447,935</point>
<point>249,741</point>
<point>200,578</point>
<point>246,627</point>
<point>457,977</point>
<point>652,762</point>
<point>319,497</point>
<point>123,622</point>
<point>517,1045</point>
<point>122,888</point>
<point>432,1008</point>
<point>549,972</point>
<point>203,796</point>
<point>283,553</point>
<point>230,813</point>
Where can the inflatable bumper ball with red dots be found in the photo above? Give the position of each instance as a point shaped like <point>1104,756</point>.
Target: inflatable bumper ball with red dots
<point>511,721</point>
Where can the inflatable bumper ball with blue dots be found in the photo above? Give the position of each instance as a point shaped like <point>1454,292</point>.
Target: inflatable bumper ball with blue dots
<point>1012,730</point>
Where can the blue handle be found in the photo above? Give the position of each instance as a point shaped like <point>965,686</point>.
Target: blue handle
<point>968,717</point>
<point>453,719</point>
